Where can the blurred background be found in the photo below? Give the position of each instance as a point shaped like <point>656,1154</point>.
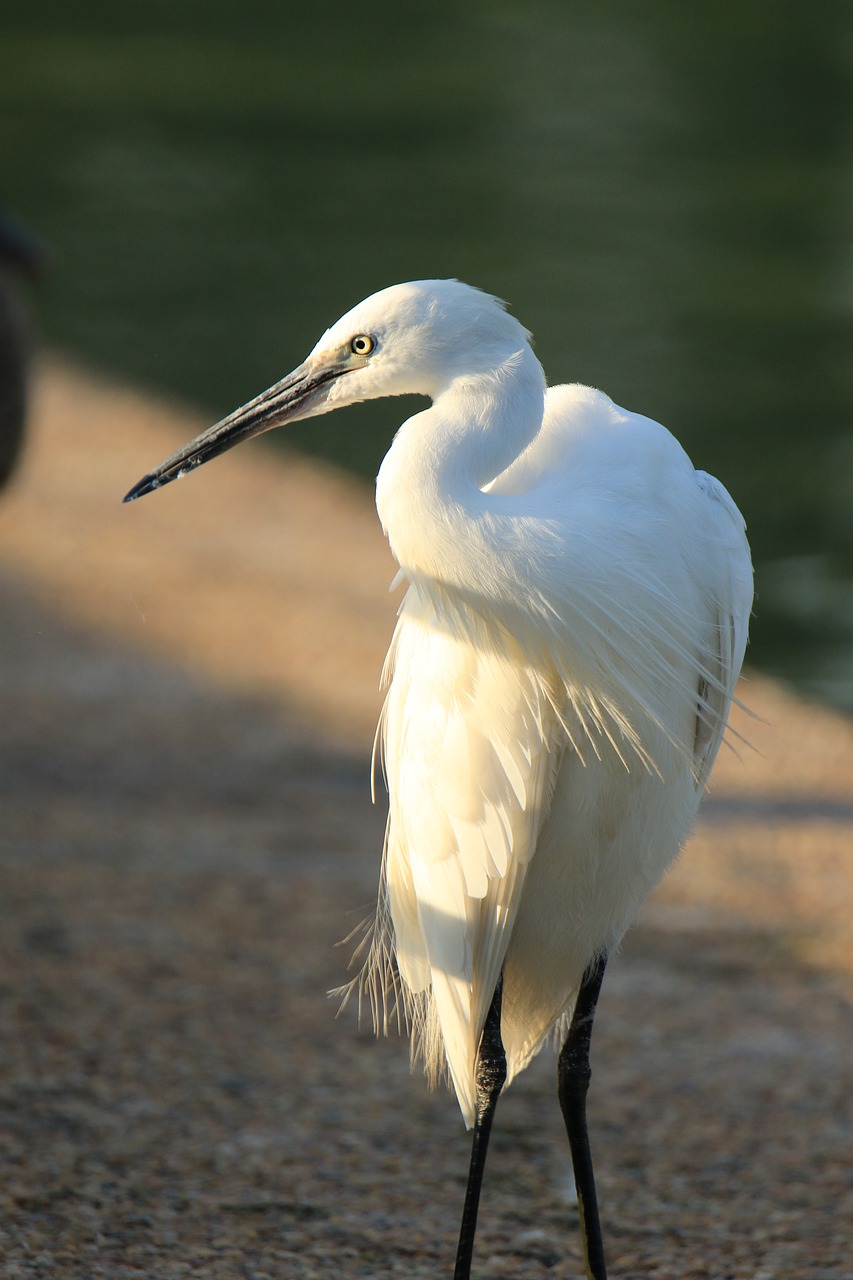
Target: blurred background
<point>191,191</point>
<point>664,194</point>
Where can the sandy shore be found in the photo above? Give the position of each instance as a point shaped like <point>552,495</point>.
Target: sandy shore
<point>189,688</point>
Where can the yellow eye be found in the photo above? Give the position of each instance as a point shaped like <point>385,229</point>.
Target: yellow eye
<point>362,345</point>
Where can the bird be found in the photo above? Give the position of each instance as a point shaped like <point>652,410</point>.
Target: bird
<point>557,686</point>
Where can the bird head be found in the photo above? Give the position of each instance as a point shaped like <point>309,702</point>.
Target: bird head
<point>409,338</point>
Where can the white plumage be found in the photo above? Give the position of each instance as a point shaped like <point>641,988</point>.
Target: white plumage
<point>559,681</point>
<point>561,672</point>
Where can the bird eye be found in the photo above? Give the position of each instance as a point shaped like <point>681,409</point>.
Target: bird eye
<point>362,345</point>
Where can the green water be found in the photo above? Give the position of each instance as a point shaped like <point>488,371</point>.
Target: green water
<point>664,192</point>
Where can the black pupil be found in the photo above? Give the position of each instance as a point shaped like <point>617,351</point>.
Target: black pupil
<point>361,345</point>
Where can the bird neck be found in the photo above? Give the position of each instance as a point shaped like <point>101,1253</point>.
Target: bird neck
<point>431,491</point>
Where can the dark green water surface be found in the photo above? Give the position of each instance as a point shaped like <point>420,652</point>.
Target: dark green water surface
<point>664,193</point>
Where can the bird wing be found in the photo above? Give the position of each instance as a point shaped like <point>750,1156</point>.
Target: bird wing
<point>470,748</point>
<point>730,605</point>
<point>644,594</point>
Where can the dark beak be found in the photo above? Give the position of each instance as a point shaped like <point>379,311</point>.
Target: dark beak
<point>299,395</point>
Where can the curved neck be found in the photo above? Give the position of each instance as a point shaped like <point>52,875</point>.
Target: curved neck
<point>430,488</point>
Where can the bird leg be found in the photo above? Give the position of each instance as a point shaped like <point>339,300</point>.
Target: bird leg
<point>490,1078</point>
<point>573,1075</point>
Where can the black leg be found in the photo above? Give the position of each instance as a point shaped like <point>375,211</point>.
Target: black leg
<point>491,1074</point>
<point>574,1076</point>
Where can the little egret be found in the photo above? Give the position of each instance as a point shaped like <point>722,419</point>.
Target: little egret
<point>558,685</point>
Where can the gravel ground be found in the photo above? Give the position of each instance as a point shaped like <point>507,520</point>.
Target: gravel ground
<point>188,687</point>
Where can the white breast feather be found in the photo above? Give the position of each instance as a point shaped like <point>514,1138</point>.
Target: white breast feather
<point>470,748</point>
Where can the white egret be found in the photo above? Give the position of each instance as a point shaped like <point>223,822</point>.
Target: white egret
<point>558,684</point>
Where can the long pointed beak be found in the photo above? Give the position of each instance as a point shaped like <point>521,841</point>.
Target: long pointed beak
<point>299,395</point>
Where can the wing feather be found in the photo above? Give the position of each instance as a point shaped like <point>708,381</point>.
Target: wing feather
<point>730,604</point>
